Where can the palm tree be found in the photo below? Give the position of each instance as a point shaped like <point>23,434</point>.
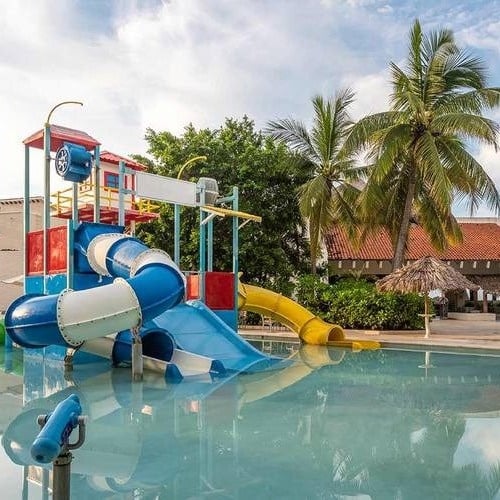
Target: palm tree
<point>328,196</point>
<point>419,148</point>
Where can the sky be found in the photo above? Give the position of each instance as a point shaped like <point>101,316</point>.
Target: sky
<point>166,63</point>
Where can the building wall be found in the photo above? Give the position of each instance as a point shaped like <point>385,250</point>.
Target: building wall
<point>11,243</point>
<point>384,267</point>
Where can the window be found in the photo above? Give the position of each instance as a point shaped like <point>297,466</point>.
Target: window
<point>111,180</point>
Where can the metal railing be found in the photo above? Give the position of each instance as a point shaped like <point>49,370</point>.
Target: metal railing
<point>62,201</point>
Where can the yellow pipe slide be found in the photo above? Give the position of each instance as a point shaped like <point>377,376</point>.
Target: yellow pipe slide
<point>310,328</point>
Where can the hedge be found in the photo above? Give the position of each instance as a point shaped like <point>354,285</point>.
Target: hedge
<point>355,303</point>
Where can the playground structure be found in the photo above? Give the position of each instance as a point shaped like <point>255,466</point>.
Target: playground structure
<point>90,285</point>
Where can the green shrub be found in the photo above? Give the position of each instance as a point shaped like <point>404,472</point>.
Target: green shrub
<point>354,303</point>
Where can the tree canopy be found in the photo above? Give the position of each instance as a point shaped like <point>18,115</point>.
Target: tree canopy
<point>237,155</point>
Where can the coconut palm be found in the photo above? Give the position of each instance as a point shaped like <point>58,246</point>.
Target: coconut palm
<point>328,196</point>
<point>419,148</point>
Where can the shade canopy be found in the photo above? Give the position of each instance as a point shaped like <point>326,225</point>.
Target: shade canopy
<point>424,275</point>
<point>489,283</point>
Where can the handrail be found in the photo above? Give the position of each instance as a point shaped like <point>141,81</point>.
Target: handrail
<point>62,200</point>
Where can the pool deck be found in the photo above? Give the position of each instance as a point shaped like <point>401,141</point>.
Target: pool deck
<point>450,334</point>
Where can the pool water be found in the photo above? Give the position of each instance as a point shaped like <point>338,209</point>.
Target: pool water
<point>331,424</point>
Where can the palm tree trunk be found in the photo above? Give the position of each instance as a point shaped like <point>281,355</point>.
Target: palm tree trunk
<point>314,244</point>
<point>404,228</point>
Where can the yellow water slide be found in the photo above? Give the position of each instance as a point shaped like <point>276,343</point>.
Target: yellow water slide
<point>310,328</point>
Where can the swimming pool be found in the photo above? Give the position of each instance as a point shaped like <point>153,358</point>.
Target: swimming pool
<point>383,424</point>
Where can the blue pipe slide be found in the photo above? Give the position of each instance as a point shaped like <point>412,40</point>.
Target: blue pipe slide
<point>147,282</point>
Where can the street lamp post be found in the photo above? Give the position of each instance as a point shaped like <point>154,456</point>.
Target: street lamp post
<point>46,190</point>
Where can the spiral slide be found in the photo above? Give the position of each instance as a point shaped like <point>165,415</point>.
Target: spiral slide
<point>310,328</point>
<point>188,339</point>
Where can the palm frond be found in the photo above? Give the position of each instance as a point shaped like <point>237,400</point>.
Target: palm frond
<point>428,161</point>
<point>293,134</point>
<point>467,126</point>
<point>468,176</point>
<point>474,102</point>
<point>361,134</point>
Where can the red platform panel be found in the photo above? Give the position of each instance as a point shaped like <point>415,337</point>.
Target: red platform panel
<point>34,252</point>
<point>56,251</point>
<point>192,286</point>
<point>219,290</point>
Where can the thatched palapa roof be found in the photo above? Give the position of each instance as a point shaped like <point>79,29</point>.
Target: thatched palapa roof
<point>424,275</point>
<point>490,284</point>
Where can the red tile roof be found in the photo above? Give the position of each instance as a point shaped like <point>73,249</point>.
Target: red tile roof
<point>481,241</point>
<point>58,135</point>
<point>109,157</point>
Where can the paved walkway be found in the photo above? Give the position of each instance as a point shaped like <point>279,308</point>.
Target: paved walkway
<point>450,334</point>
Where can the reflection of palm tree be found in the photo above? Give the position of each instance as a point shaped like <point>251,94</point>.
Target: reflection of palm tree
<point>348,477</point>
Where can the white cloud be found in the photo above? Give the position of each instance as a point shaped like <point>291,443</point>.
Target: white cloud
<point>483,35</point>
<point>372,93</point>
<point>385,9</point>
<point>478,445</point>
<point>176,62</point>
<point>164,67</point>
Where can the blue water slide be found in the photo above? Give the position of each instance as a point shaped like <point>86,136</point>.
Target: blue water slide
<point>197,329</point>
<point>146,283</point>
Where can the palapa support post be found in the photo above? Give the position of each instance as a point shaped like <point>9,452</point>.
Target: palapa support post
<point>427,317</point>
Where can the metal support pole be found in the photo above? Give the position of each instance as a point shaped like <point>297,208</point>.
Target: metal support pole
<point>69,255</point>
<point>74,206</point>
<point>68,359</point>
<point>210,246</point>
<point>25,492</point>
<point>236,250</point>
<point>121,194</point>
<point>177,234</point>
<point>203,258</point>
<point>97,184</point>
<point>137,360</point>
<point>46,187</point>
<point>203,246</point>
<point>61,476</point>
<point>27,207</point>
<point>46,202</point>
<point>45,484</point>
